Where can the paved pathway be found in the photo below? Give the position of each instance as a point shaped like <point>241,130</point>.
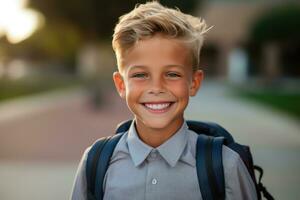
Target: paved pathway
<point>273,136</point>
<point>42,139</point>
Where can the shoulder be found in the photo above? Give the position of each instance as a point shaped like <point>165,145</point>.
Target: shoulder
<point>232,161</point>
<point>238,182</point>
<point>121,145</point>
<point>234,167</point>
<point>233,164</point>
<point>121,149</point>
<point>79,190</point>
<point>230,158</point>
<point>192,141</point>
<point>84,157</point>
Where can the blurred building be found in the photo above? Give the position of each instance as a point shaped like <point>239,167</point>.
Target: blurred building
<point>231,21</point>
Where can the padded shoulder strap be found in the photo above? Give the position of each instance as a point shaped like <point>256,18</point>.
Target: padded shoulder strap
<point>210,167</point>
<point>210,129</point>
<point>97,163</point>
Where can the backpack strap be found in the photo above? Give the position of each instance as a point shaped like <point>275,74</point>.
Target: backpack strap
<point>210,129</point>
<point>208,163</point>
<point>100,152</point>
<point>261,187</point>
<point>210,167</point>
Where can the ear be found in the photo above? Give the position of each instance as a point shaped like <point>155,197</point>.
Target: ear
<point>119,83</point>
<point>197,78</point>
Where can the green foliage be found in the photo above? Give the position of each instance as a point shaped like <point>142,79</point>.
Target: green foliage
<point>70,23</point>
<point>286,102</point>
<point>279,24</point>
<point>184,6</point>
<point>10,89</point>
<point>55,42</point>
<point>96,18</point>
<point>58,41</point>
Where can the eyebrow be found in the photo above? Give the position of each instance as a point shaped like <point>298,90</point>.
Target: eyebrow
<point>132,67</point>
<point>145,67</point>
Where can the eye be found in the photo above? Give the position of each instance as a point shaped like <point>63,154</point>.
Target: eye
<point>173,75</point>
<point>139,75</point>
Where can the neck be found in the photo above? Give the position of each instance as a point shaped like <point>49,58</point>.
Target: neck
<point>155,137</point>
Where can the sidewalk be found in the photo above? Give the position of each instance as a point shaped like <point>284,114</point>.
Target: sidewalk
<point>274,137</point>
<point>43,138</point>
<point>40,146</point>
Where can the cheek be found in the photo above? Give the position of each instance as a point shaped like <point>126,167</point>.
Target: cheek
<point>131,87</point>
<point>133,90</point>
<point>180,89</point>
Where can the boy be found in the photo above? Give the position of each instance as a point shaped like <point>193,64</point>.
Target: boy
<point>157,52</point>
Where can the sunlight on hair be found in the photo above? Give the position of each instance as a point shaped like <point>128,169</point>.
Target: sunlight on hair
<point>18,22</point>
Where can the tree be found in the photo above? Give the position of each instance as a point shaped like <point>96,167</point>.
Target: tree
<point>86,23</point>
<point>96,18</point>
<point>280,26</point>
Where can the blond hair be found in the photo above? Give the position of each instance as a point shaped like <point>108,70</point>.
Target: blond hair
<point>148,19</point>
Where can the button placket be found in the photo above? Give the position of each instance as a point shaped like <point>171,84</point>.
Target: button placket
<point>154,181</point>
<point>152,156</point>
<point>152,175</point>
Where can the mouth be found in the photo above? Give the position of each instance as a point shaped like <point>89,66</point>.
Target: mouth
<point>158,107</point>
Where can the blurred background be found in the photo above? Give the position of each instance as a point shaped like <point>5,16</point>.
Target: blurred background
<point>57,96</point>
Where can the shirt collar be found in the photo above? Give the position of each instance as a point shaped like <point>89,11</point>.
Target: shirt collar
<point>137,148</point>
<point>172,150</point>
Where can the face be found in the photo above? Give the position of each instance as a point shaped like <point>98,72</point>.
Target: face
<point>156,79</point>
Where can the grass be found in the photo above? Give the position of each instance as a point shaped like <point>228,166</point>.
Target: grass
<point>286,102</point>
<point>10,89</point>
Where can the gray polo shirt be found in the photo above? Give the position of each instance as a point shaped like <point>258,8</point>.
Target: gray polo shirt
<point>139,172</point>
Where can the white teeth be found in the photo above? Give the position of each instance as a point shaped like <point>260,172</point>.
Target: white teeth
<point>157,106</point>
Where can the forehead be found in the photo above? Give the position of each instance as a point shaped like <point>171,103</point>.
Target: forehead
<point>156,51</point>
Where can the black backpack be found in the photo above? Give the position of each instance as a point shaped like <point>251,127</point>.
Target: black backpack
<point>208,160</point>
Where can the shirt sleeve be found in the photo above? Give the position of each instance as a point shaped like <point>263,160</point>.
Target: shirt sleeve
<point>79,191</point>
<point>238,182</point>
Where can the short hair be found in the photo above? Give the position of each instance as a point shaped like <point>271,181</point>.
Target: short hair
<point>148,19</point>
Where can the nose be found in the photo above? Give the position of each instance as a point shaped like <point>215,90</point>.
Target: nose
<point>157,86</point>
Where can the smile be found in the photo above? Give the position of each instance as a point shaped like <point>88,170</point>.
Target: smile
<point>158,107</point>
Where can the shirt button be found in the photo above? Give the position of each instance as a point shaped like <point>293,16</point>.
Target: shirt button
<point>154,181</point>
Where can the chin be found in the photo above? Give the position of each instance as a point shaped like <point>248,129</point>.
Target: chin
<point>162,124</point>
<point>157,125</point>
